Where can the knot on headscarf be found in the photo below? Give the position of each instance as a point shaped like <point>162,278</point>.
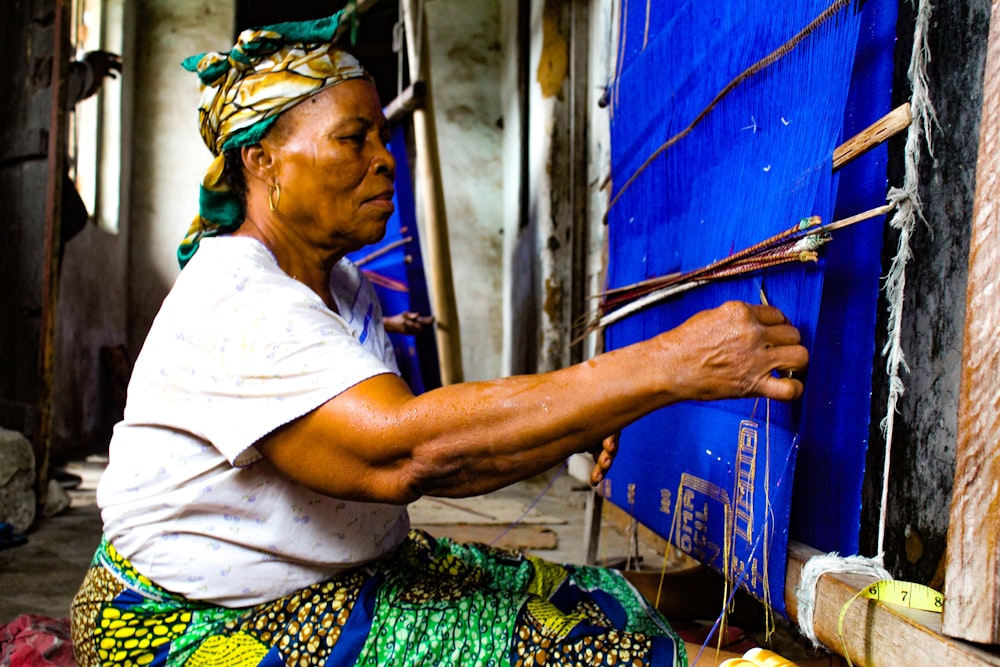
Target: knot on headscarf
<point>268,71</point>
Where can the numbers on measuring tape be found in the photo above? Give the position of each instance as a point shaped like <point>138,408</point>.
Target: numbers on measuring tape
<point>905,594</point>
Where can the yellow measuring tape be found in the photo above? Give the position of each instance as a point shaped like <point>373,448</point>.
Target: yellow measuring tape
<point>891,591</point>
<point>905,594</point>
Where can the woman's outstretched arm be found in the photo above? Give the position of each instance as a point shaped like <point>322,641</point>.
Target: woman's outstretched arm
<point>378,442</point>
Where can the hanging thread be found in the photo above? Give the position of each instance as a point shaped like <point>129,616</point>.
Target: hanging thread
<point>908,208</point>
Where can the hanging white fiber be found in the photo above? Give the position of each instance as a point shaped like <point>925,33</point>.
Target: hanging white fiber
<point>908,208</point>
<point>816,567</point>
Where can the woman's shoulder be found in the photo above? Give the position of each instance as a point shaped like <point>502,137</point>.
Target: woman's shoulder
<point>232,269</point>
<point>231,255</point>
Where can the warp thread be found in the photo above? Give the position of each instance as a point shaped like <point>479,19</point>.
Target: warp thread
<point>830,563</point>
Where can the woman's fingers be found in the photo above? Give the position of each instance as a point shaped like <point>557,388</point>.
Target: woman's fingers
<point>736,350</point>
<point>604,459</point>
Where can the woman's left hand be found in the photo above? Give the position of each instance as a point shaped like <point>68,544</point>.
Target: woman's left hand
<point>603,458</point>
<point>407,322</point>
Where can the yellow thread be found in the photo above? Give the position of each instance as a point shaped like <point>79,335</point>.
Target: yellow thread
<point>670,539</point>
<point>769,625</point>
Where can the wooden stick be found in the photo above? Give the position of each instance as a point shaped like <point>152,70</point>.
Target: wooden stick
<point>889,125</point>
<point>389,247</point>
<point>434,220</point>
<point>865,215</point>
<point>412,98</point>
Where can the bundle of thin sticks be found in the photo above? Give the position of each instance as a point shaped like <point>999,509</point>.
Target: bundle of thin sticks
<point>801,243</point>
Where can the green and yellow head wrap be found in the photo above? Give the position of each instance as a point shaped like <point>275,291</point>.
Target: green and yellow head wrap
<point>269,70</point>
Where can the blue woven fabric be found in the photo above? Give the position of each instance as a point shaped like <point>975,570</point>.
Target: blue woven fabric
<point>718,478</point>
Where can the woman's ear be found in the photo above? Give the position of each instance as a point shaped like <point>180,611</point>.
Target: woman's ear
<point>258,161</point>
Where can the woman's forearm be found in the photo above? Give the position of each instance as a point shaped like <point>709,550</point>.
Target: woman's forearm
<point>378,442</point>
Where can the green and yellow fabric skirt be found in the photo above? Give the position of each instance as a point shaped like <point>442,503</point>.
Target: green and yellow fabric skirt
<point>431,602</point>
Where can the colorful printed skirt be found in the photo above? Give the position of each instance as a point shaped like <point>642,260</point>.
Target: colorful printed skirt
<point>431,602</point>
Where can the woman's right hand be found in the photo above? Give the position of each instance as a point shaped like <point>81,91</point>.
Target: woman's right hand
<point>733,351</point>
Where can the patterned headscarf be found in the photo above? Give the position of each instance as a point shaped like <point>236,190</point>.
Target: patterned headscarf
<point>268,71</point>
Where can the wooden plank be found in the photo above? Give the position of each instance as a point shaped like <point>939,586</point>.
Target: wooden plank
<point>972,577</point>
<point>877,634</point>
<point>403,105</point>
<point>26,35</point>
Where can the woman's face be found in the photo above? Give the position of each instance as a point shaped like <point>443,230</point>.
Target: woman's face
<point>333,167</point>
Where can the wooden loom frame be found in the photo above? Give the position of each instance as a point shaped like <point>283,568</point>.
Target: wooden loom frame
<point>876,633</point>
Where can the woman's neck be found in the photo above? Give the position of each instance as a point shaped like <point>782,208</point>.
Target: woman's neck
<point>299,260</point>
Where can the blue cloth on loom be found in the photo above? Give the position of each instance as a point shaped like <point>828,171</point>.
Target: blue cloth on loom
<point>416,355</point>
<point>754,166</point>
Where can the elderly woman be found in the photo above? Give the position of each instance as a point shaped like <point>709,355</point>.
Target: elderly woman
<point>254,505</point>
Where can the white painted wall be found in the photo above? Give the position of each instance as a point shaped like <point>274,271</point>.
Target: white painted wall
<point>169,158</point>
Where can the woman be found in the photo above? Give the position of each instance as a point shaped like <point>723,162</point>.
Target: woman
<point>255,501</point>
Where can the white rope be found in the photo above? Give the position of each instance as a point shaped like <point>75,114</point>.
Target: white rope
<point>816,567</point>
<point>908,208</point>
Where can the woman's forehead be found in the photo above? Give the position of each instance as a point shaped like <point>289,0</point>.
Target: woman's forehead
<point>353,98</point>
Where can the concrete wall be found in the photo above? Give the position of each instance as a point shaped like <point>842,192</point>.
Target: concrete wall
<point>465,60</point>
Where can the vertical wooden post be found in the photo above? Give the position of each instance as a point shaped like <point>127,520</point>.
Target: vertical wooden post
<point>431,200</point>
<point>50,272</point>
<point>972,579</point>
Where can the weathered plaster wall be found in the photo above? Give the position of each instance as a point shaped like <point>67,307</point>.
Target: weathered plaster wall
<point>923,449</point>
<point>465,57</point>
<point>169,158</point>
<point>91,315</point>
<point>530,258</point>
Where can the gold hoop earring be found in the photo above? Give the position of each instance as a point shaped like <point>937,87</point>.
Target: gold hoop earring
<point>273,197</point>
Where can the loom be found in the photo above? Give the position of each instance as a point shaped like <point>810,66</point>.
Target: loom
<point>710,155</point>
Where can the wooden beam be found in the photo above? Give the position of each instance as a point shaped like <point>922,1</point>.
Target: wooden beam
<point>42,440</point>
<point>406,102</point>
<point>972,575</point>
<point>877,634</point>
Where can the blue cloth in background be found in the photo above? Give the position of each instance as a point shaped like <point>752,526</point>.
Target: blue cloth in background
<point>729,482</point>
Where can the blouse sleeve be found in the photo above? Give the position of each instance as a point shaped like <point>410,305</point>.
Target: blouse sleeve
<point>234,367</point>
